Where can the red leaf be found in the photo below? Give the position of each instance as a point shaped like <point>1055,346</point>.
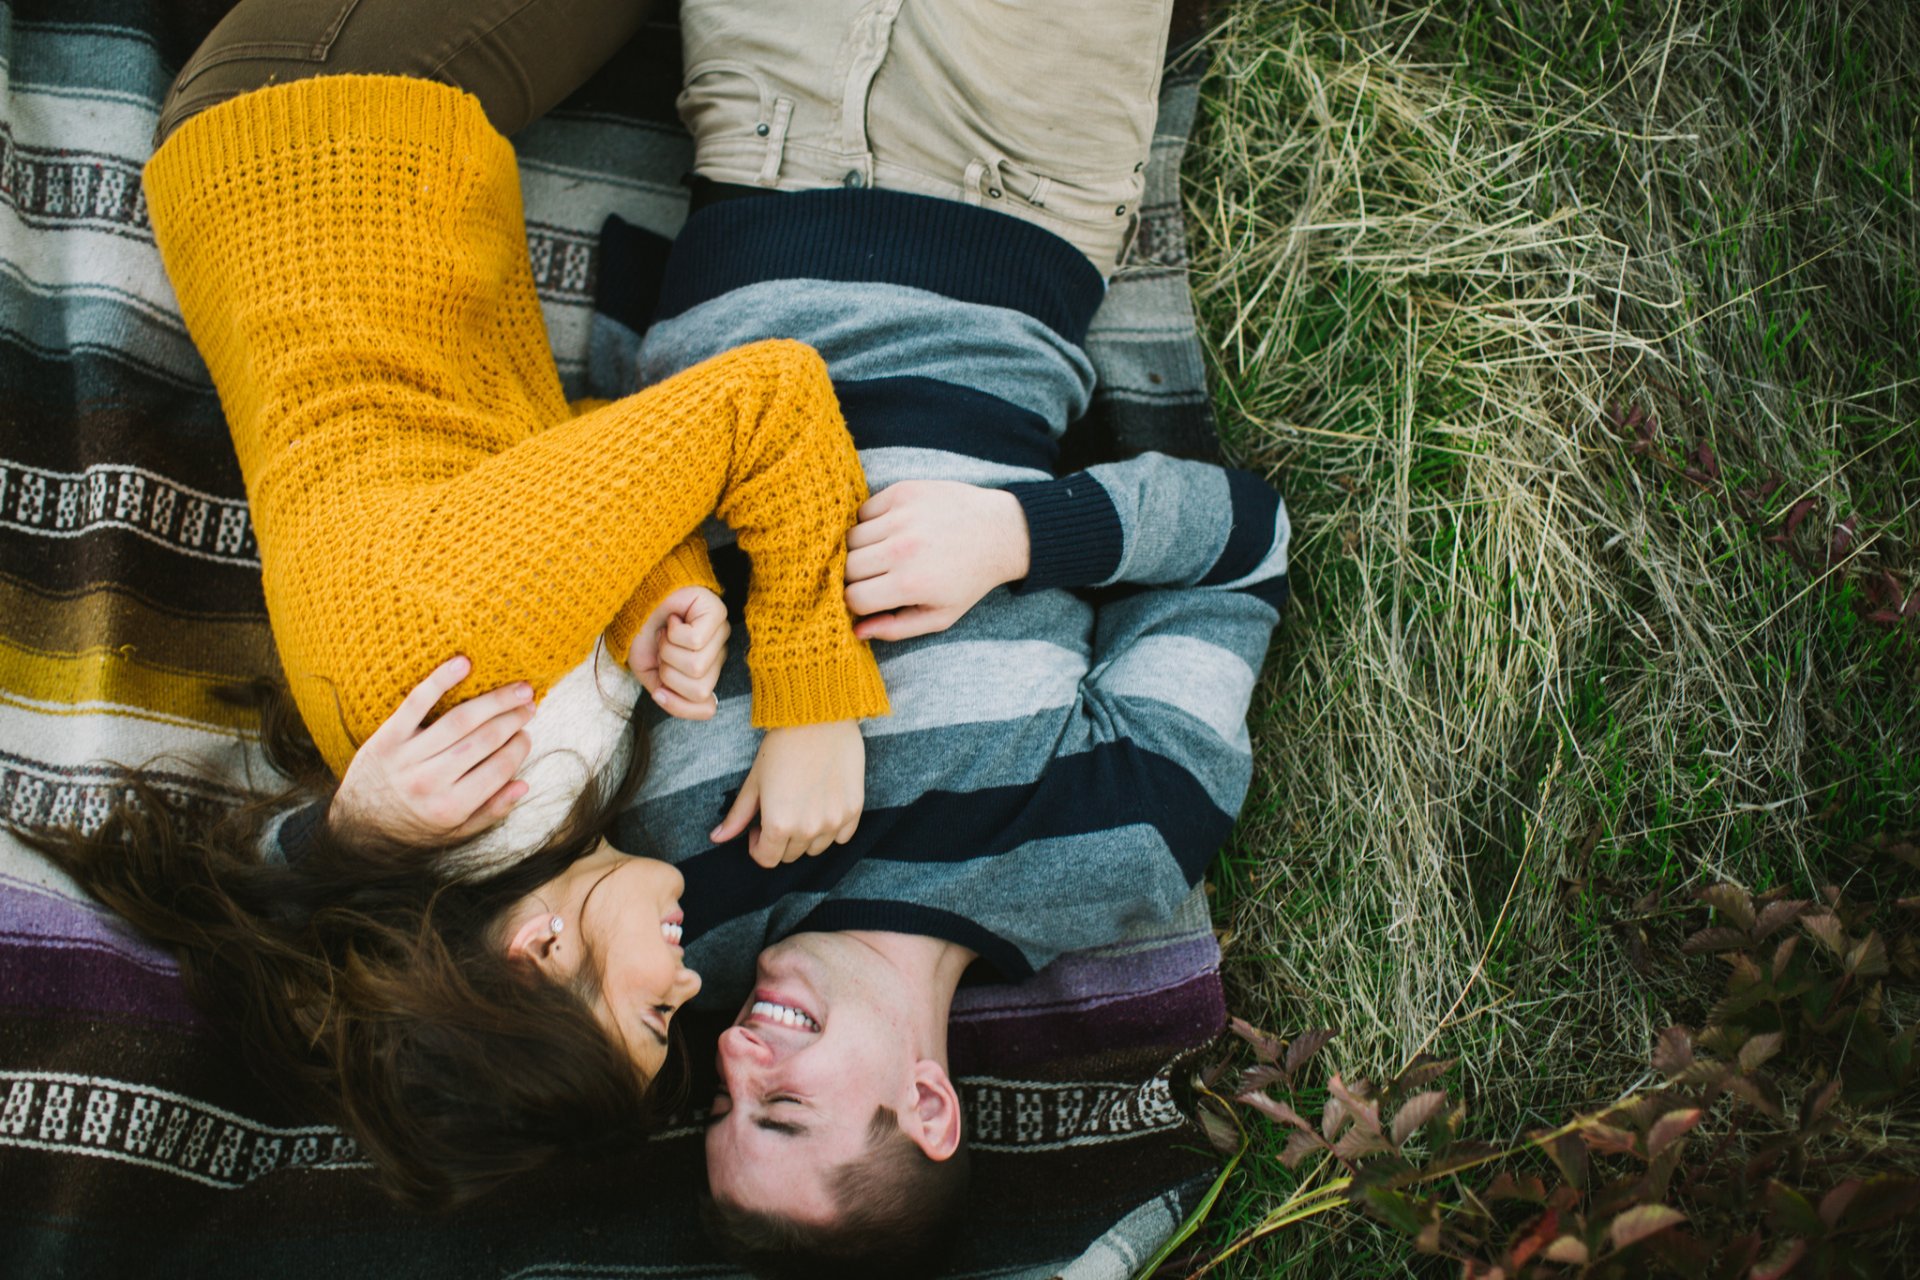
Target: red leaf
<point>1670,1127</point>
<point>1274,1110</point>
<point>1842,539</point>
<point>1703,454</point>
<point>1254,1079</point>
<point>1568,1250</point>
<point>1305,1045</point>
<point>1357,1142</point>
<point>1825,927</point>
<point>1569,1155</point>
<point>1798,512</point>
<point>1299,1147</point>
<point>1415,1112</point>
<point>1714,938</point>
<point>1868,958</point>
<point>1784,1258</point>
<point>1757,1050</point>
<point>1731,901</point>
<point>1332,1116</point>
<point>1363,1111</point>
<point>1673,1051</point>
<point>1778,915</point>
<point>1834,1204</point>
<point>1265,1047</point>
<point>1537,1237</point>
<point>1636,1224</point>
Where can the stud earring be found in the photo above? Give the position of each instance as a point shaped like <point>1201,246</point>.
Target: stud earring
<point>556,925</point>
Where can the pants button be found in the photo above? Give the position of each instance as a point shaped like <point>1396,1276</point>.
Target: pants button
<point>1121,212</point>
<point>762,129</point>
<point>994,192</point>
<point>854,179</point>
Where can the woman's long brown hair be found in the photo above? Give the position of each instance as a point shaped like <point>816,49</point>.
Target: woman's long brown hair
<point>368,987</point>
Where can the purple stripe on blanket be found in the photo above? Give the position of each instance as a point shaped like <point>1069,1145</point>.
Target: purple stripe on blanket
<point>28,911</point>
<point>81,978</point>
<point>1171,1019</point>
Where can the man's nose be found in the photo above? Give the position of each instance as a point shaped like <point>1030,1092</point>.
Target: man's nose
<point>741,1051</point>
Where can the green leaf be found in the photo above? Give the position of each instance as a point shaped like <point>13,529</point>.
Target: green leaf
<point>1395,1208</point>
<point>1868,957</point>
<point>1792,1214</point>
<point>1636,1224</point>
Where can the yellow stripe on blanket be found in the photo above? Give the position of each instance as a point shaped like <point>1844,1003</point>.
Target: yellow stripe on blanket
<point>104,678</point>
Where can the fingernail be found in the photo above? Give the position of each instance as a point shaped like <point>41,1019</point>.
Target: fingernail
<point>660,696</point>
<point>523,691</point>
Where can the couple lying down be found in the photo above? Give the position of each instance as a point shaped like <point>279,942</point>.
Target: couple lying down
<point>904,216</point>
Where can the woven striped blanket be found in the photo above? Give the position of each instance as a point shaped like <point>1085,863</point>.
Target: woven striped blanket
<point>131,1140</point>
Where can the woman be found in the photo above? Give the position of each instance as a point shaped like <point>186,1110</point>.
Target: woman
<point>349,256</point>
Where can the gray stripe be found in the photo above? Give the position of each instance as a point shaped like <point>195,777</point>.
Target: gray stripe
<point>886,331</point>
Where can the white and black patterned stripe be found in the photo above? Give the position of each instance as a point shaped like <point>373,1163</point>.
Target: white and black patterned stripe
<point>158,1129</point>
<point>67,504</point>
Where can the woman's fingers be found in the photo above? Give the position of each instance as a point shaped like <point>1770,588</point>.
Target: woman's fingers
<point>497,807</point>
<point>489,786</point>
<point>416,706</point>
<point>684,708</point>
<point>869,531</point>
<point>471,715</point>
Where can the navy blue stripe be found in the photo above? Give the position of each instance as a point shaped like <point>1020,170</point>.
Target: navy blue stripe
<point>839,914</point>
<point>1256,508</point>
<point>1074,537</point>
<point>926,413</point>
<point>1086,795</point>
<point>1274,591</point>
<point>884,237</point>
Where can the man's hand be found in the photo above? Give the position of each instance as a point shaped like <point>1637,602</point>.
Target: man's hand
<point>680,650</point>
<point>925,551</point>
<point>808,784</point>
<point>446,781</point>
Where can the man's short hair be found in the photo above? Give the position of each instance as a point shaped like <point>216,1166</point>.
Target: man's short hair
<point>898,1209</point>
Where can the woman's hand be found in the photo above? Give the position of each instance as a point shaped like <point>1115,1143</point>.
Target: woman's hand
<point>925,551</point>
<point>808,783</point>
<point>680,650</point>
<point>445,781</point>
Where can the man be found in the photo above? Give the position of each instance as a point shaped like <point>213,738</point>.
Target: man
<point>1052,773</point>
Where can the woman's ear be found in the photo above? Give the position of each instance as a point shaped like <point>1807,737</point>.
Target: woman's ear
<point>530,941</point>
<point>935,1123</point>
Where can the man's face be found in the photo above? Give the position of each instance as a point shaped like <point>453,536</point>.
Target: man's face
<point>817,1049</point>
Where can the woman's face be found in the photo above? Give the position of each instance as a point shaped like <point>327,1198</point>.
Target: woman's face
<point>620,922</point>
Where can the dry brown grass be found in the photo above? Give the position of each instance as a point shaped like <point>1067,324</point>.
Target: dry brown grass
<point>1531,672</point>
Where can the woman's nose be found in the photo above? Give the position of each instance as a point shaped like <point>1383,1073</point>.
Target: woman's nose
<point>686,985</point>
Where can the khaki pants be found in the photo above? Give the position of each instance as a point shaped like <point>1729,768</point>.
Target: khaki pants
<point>1043,109</point>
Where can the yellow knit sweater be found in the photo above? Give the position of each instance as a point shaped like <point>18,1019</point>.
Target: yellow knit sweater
<point>351,260</point>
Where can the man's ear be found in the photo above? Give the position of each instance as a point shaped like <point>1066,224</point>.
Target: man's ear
<point>935,1124</point>
<point>530,942</point>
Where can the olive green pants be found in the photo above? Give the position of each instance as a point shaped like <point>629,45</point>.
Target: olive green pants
<point>519,57</point>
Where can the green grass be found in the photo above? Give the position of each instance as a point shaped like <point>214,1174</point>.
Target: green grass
<point>1531,673</point>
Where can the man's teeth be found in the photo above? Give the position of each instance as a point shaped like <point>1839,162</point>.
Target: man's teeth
<point>671,932</point>
<point>784,1014</point>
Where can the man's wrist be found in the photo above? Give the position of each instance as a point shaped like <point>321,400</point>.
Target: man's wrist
<point>1015,541</point>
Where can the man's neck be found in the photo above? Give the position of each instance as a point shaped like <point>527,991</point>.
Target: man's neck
<point>931,966</point>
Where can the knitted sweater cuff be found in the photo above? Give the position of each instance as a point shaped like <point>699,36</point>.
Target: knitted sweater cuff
<point>1074,537</point>
<point>815,688</point>
<point>686,565</point>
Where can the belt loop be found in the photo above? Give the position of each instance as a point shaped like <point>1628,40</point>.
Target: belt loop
<point>972,183</point>
<point>776,141</point>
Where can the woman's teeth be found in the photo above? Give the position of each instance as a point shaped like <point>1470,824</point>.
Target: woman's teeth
<point>786,1015</point>
<point>670,931</point>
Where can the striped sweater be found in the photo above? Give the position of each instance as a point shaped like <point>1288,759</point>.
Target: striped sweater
<point>1055,770</point>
